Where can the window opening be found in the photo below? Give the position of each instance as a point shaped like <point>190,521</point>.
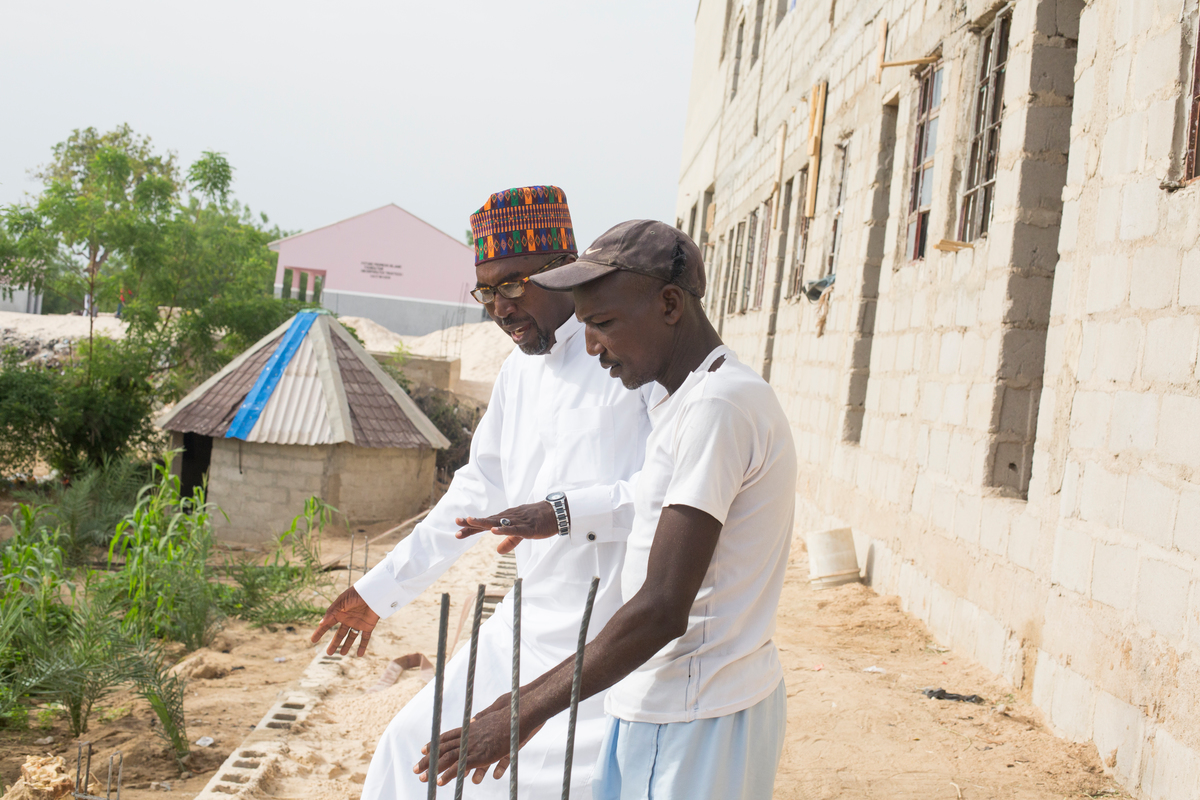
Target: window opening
<point>737,59</point>
<point>835,238</point>
<point>1191,168</point>
<point>921,197</point>
<point>780,253</point>
<point>760,282</point>
<point>747,268</point>
<point>800,246</point>
<point>758,21</point>
<point>692,222</point>
<point>782,8</point>
<point>985,133</point>
<point>735,269</point>
<point>712,298</point>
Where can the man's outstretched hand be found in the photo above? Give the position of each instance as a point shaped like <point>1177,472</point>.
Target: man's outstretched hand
<point>488,744</point>
<point>354,616</point>
<point>530,521</point>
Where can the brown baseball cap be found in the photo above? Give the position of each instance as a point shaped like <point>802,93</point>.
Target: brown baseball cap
<point>645,246</point>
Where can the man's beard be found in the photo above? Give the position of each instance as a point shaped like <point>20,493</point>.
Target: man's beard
<point>540,346</point>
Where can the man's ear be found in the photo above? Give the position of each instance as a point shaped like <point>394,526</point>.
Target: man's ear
<point>673,299</point>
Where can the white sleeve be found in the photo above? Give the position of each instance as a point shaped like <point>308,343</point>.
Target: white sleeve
<point>714,443</point>
<point>420,559</point>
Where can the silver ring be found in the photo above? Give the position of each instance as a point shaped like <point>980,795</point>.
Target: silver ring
<point>505,522</point>
<point>352,632</point>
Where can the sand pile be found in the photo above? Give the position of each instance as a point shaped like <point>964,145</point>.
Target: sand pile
<point>49,338</point>
<point>481,346</point>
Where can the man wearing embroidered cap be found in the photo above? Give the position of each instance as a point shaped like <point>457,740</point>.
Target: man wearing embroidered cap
<point>559,441</point>
<point>694,683</point>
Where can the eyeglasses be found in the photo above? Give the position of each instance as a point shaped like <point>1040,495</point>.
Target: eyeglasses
<point>510,290</point>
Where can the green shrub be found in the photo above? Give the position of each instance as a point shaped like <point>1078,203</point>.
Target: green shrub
<point>164,690</point>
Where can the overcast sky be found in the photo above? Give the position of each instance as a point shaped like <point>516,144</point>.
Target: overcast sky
<point>327,110</point>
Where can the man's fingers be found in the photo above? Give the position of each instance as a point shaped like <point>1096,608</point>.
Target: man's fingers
<point>336,641</point>
<point>508,544</point>
<point>478,776</point>
<point>362,644</point>
<point>322,629</point>
<point>348,642</point>
<point>501,766</point>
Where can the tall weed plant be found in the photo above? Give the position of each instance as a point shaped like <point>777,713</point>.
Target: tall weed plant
<point>164,586</point>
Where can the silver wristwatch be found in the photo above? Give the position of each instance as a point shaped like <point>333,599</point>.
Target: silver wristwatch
<point>558,501</point>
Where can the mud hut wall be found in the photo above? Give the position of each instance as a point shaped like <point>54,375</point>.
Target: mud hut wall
<point>1072,574</point>
<point>376,484</point>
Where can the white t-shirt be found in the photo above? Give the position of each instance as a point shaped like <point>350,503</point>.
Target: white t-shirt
<point>720,444</point>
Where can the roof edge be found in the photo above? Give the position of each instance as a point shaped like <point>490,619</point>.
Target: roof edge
<point>274,246</point>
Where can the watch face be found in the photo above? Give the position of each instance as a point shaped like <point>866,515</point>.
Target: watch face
<point>552,497</point>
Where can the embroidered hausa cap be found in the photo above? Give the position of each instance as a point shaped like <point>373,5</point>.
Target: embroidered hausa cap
<point>645,246</point>
<point>516,222</point>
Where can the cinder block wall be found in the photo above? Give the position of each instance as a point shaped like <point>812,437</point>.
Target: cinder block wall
<point>262,487</point>
<point>1013,429</point>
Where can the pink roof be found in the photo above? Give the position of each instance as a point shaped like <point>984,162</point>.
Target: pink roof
<point>388,252</point>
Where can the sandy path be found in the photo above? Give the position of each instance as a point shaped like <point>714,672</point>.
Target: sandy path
<point>851,734</point>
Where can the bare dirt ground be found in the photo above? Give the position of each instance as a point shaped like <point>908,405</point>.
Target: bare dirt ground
<point>852,734</point>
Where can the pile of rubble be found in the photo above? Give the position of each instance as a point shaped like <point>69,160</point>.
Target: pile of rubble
<point>32,349</point>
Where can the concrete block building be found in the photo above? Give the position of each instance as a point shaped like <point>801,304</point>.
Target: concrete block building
<point>386,265</point>
<point>304,412</point>
<point>959,239</point>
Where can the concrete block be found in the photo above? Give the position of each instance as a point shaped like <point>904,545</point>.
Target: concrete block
<point>1100,496</point>
<point>991,643</point>
<point>1179,430</point>
<point>1134,421</point>
<point>1189,279</point>
<point>942,603</point>
<point>1171,349</point>
<point>1140,209</point>
<point>1072,567</point>
<point>948,353</point>
<point>1069,494</point>
<point>1149,509</point>
<point>994,525</point>
<point>1156,63</point>
<point>1114,572</point>
<point>1024,533</point>
<point>1073,708</point>
<point>961,464</point>
<point>1187,521</point>
<point>1120,343</point>
<point>1045,675</point>
<point>1107,282</point>
<point>1118,83</point>
<point>1022,354</point>
<point>972,353</point>
<point>941,513</point>
<point>964,627</point>
<point>1117,731</point>
<point>1157,274</point>
<point>1162,597</point>
<point>967,511</point>
<point>1090,417</point>
<point>954,404</point>
<point>1170,769</point>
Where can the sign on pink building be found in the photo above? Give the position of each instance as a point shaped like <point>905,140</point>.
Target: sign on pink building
<point>386,265</point>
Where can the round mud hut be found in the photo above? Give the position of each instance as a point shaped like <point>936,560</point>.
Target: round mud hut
<point>304,412</point>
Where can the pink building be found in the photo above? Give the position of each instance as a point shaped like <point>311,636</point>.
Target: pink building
<point>386,265</point>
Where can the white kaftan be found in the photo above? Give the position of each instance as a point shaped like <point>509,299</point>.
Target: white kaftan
<point>556,422</point>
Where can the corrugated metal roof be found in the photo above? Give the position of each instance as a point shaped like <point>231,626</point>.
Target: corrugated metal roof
<point>297,412</point>
<point>330,391</point>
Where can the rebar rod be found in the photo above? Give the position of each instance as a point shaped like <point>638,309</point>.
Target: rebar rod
<point>514,721</point>
<point>460,781</point>
<point>439,675</point>
<point>576,683</point>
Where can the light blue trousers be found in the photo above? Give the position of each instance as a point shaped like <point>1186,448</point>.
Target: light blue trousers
<point>724,758</point>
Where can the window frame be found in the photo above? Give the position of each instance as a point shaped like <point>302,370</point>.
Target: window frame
<point>737,57</point>
<point>800,237</point>
<point>735,268</point>
<point>979,178</point>
<point>931,82</point>
<point>760,278</point>
<point>747,266</point>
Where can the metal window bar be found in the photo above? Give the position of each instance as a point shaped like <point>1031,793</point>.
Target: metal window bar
<point>980,176</point>
<point>835,241</point>
<point>760,280</point>
<point>747,267</point>
<point>800,246</point>
<point>735,269</point>
<point>1191,167</point>
<point>924,148</point>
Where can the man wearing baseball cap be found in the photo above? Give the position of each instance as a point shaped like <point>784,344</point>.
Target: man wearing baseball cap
<point>550,462</point>
<point>695,685</point>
